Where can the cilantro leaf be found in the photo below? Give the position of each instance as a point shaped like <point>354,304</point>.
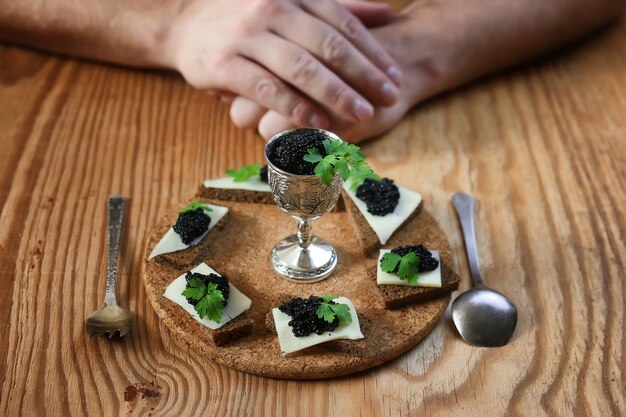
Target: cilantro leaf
<point>343,169</point>
<point>210,300</point>
<point>343,312</point>
<point>313,156</point>
<point>325,171</point>
<point>328,311</point>
<point>244,173</point>
<point>195,289</point>
<point>196,205</point>
<point>408,268</point>
<point>324,311</point>
<point>341,158</point>
<point>390,261</point>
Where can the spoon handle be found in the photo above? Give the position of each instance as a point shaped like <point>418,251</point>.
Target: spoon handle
<point>115,219</point>
<point>464,205</point>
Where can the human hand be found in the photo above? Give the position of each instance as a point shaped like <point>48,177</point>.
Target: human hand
<point>259,49</point>
<point>413,47</point>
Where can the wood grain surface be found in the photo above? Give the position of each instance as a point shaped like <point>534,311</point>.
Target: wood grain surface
<point>542,147</point>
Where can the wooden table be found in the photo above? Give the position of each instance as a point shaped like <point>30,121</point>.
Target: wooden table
<point>543,148</point>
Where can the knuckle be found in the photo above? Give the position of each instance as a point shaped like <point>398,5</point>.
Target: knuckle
<point>339,97</point>
<point>334,48</point>
<point>267,90</point>
<point>304,69</point>
<point>244,28</point>
<point>299,112</point>
<point>268,7</point>
<point>351,27</point>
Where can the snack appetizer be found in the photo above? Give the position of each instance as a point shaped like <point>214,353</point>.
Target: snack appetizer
<point>408,274</point>
<point>377,208</point>
<point>193,224</point>
<point>212,301</point>
<point>247,184</point>
<point>304,322</point>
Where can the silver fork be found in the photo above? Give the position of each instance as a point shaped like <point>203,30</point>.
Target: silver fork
<point>111,317</point>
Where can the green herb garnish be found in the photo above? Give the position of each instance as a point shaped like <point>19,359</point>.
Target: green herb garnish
<point>409,264</point>
<point>196,205</point>
<point>245,172</point>
<point>210,299</point>
<point>341,158</point>
<point>328,311</point>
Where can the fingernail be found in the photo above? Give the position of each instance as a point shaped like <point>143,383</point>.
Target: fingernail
<point>317,121</point>
<point>389,93</point>
<point>395,75</point>
<point>362,110</point>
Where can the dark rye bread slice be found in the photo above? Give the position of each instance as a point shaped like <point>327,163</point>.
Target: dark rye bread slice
<point>228,194</point>
<point>395,296</point>
<point>352,347</point>
<point>367,238</point>
<point>193,255</point>
<point>240,326</point>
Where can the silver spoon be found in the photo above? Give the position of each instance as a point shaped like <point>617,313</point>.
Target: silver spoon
<point>111,318</point>
<point>482,316</point>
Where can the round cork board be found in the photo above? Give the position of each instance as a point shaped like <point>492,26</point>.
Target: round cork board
<point>240,251</point>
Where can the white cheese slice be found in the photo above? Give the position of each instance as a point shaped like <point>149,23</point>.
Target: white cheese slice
<point>171,242</point>
<point>252,184</point>
<point>237,301</point>
<point>290,343</point>
<point>426,279</point>
<point>384,226</point>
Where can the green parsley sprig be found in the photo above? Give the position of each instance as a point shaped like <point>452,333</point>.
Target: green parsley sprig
<point>210,299</point>
<point>245,172</point>
<point>196,205</point>
<point>409,265</point>
<point>328,311</point>
<point>343,158</point>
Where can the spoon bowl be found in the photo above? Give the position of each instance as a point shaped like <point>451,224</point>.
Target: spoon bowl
<point>483,316</point>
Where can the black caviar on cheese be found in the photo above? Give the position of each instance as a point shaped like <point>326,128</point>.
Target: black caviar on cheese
<point>220,281</point>
<point>263,173</point>
<point>304,319</point>
<point>427,261</point>
<point>288,151</point>
<point>192,224</point>
<point>381,197</point>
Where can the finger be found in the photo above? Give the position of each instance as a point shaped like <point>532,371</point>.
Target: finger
<point>370,14</point>
<point>339,17</point>
<point>271,123</point>
<point>248,79</point>
<point>299,68</point>
<point>226,97</point>
<point>338,54</point>
<point>246,113</point>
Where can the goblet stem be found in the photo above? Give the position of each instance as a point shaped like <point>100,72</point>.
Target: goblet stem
<point>304,233</point>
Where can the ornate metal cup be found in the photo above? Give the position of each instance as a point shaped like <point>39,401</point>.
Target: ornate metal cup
<point>302,257</point>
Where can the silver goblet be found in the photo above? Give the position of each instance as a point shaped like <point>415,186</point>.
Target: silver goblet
<point>302,257</point>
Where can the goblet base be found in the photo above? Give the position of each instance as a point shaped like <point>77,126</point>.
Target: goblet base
<point>305,265</point>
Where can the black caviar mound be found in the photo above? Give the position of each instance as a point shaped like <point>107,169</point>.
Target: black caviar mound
<point>192,224</point>
<point>304,319</point>
<point>287,152</point>
<point>427,261</point>
<point>381,197</point>
<point>221,282</point>
<point>263,173</point>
